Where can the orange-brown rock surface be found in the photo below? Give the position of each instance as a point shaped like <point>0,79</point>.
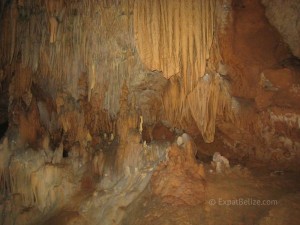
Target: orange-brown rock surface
<point>283,16</point>
<point>264,80</point>
<point>180,180</point>
<point>248,46</point>
<point>103,86</point>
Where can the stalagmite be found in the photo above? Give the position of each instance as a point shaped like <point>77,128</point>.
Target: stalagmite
<point>141,125</point>
<point>109,108</point>
<point>179,141</point>
<point>112,137</point>
<point>183,140</point>
<point>182,176</point>
<point>220,162</point>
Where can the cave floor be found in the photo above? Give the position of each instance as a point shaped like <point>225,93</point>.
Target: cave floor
<point>241,196</point>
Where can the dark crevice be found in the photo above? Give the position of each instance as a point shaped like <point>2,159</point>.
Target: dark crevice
<point>65,153</point>
<point>3,128</point>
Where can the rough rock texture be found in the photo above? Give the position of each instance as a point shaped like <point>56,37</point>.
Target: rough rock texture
<point>135,164</point>
<point>4,98</point>
<point>265,84</point>
<point>33,182</point>
<point>248,46</point>
<point>284,15</point>
<point>180,180</point>
<point>99,88</point>
<point>284,209</point>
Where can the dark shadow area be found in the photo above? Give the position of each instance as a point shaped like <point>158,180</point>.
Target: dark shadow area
<point>3,128</point>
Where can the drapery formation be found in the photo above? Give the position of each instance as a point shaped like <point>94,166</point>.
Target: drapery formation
<point>174,36</point>
<point>87,51</point>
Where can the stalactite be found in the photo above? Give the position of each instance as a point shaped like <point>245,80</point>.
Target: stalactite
<point>98,163</point>
<point>29,124</point>
<point>53,28</point>
<point>5,155</point>
<point>203,102</point>
<point>92,81</point>
<point>175,37</point>
<point>172,36</point>
<point>28,174</point>
<point>173,102</point>
<point>73,49</point>
<point>209,100</point>
<point>13,17</point>
<point>21,82</point>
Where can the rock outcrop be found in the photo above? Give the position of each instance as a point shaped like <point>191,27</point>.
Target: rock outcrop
<point>180,180</point>
<point>284,16</point>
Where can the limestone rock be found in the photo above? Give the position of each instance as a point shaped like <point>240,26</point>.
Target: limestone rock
<point>180,180</point>
<point>284,16</point>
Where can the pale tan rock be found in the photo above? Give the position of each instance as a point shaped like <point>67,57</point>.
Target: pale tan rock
<point>175,37</point>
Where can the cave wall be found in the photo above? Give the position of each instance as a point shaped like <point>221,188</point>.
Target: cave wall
<point>85,83</point>
<point>68,73</point>
<point>284,16</point>
<point>69,61</point>
<point>77,71</point>
<point>265,82</point>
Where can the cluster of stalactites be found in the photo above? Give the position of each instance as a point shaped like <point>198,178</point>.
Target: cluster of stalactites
<point>175,36</point>
<point>53,40</point>
<point>209,100</point>
<point>38,178</point>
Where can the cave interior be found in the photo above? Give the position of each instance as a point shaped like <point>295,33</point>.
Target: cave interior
<point>138,112</point>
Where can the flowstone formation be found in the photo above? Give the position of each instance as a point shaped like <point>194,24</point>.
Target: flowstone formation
<point>101,101</point>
